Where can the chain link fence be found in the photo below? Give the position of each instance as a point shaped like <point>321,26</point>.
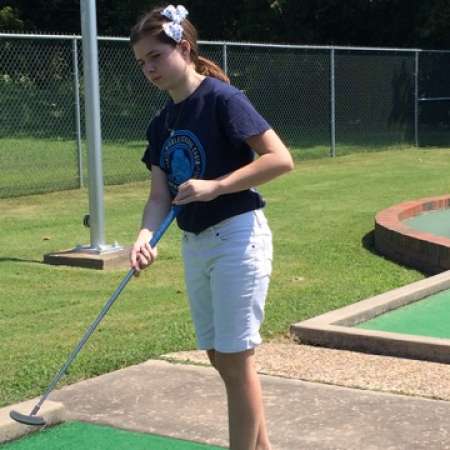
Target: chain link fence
<point>434,98</point>
<point>323,101</point>
<point>374,99</point>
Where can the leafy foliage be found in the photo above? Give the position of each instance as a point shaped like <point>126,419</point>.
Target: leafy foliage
<point>9,19</point>
<point>393,23</point>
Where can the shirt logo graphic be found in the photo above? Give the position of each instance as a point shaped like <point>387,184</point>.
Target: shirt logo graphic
<point>182,158</point>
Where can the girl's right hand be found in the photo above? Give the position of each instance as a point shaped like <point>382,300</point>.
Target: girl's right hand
<point>142,255</point>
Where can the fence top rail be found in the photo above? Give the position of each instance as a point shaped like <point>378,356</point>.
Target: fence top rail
<point>433,99</point>
<point>312,47</point>
<point>231,43</point>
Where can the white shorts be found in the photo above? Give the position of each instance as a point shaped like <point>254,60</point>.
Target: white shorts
<point>227,271</point>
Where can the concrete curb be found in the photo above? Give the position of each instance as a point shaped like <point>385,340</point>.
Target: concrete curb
<point>10,430</point>
<point>335,329</point>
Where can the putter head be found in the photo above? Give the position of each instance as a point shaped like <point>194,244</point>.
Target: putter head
<point>36,421</point>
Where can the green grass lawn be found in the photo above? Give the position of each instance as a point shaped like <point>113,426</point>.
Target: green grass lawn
<point>322,217</point>
<point>41,165</point>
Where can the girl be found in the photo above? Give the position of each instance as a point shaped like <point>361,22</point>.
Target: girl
<point>227,246</point>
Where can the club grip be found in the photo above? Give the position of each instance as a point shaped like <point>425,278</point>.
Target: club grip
<point>174,210</point>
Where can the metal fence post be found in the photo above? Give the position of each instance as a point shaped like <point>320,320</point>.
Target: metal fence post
<point>76,83</point>
<point>332,105</point>
<point>416,99</point>
<point>225,59</point>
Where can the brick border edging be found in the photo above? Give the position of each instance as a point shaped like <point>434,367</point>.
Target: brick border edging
<point>414,248</point>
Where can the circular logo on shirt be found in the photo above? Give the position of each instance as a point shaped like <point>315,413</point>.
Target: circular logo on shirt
<point>182,158</point>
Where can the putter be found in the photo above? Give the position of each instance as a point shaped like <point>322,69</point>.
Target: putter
<point>35,420</point>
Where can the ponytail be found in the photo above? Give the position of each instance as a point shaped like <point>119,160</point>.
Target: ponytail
<point>209,68</point>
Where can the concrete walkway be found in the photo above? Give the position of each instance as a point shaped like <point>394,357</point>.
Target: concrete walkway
<point>188,402</point>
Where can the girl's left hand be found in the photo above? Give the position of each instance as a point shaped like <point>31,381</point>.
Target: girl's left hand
<point>197,191</point>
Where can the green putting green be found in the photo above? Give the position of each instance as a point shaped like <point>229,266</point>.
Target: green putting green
<point>436,222</point>
<point>86,436</point>
<point>427,317</point>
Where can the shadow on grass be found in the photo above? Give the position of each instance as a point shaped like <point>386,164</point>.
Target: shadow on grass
<point>19,260</point>
<point>368,242</point>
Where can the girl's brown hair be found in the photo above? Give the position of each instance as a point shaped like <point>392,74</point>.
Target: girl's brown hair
<point>151,25</point>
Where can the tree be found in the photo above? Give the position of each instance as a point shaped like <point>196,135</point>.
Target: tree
<point>353,22</point>
<point>434,30</point>
<point>49,16</point>
<point>10,20</point>
<point>236,20</point>
<point>387,23</point>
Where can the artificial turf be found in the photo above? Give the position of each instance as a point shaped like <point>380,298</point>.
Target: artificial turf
<point>427,317</point>
<point>86,436</point>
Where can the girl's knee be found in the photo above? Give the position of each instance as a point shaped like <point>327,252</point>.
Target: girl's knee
<point>212,357</point>
<point>234,367</point>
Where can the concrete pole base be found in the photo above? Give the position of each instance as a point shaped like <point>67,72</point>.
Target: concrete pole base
<point>84,257</point>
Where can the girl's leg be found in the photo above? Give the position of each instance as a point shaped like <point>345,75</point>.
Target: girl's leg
<point>212,357</point>
<point>247,427</point>
<point>239,280</point>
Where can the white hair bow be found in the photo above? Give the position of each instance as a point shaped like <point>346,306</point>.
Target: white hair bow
<point>174,29</point>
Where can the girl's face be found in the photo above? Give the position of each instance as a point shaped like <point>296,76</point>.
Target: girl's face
<point>163,64</point>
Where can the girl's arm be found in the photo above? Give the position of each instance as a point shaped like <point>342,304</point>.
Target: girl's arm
<point>274,160</point>
<point>155,210</point>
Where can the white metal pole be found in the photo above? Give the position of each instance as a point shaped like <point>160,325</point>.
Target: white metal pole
<point>93,125</point>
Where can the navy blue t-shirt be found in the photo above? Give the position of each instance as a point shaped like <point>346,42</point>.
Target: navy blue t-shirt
<point>211,125</point>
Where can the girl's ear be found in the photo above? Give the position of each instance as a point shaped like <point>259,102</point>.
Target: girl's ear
<point>185,47</point>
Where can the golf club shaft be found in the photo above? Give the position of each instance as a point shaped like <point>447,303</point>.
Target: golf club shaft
<point>154,240</point>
